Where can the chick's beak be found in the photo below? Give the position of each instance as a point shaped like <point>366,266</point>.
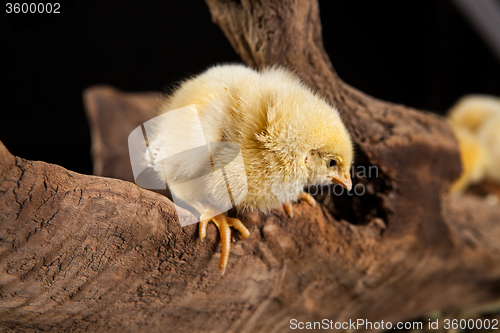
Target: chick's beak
<point>344,181</point>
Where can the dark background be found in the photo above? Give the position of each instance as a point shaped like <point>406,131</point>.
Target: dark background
<point>419,53</point>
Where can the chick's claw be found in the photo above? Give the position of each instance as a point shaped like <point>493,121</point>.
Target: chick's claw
<point>203,225</point>
<point>288,208</point>
<point>303,196</point>
<point>225,240</point>
<point>223,223</point>
<point>236,224</point>
<point>308,198</point>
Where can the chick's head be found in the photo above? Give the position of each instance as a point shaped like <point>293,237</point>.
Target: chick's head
<point>309,140</point>
<point>329,154</point>
<point>326,166</point>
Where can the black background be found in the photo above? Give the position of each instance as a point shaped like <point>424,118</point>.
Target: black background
<point>419,53</point>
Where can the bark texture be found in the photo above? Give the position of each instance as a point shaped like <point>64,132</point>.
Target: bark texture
<point>93,253</point>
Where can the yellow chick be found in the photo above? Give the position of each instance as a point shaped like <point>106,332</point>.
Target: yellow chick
<point>472,111</point>
<point>475,120</point>
<point>473,156</point>
<point>289,138</point>
<point>489,135</point>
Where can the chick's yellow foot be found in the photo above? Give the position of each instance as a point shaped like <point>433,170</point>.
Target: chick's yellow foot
<point>288,208</point>
<point>223,223</point>
<point>303,196</point>
<point>236,224</point>
<point>307,197</point>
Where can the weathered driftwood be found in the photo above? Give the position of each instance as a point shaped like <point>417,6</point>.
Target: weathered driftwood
<point>99,254</point>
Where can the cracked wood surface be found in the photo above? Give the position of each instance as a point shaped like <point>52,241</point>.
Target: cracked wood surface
<point>100,254</point>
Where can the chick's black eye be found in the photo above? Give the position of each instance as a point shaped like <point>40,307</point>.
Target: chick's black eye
<point>332,163</point>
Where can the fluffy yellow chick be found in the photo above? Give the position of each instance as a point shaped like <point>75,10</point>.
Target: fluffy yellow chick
<point>473,156</point>
<point>472,111</point>
<point>289,138</point>
<point>475,120</point>
<point>489,135</point>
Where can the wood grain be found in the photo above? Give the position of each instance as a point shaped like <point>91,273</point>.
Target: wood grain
<point>89,253</point>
